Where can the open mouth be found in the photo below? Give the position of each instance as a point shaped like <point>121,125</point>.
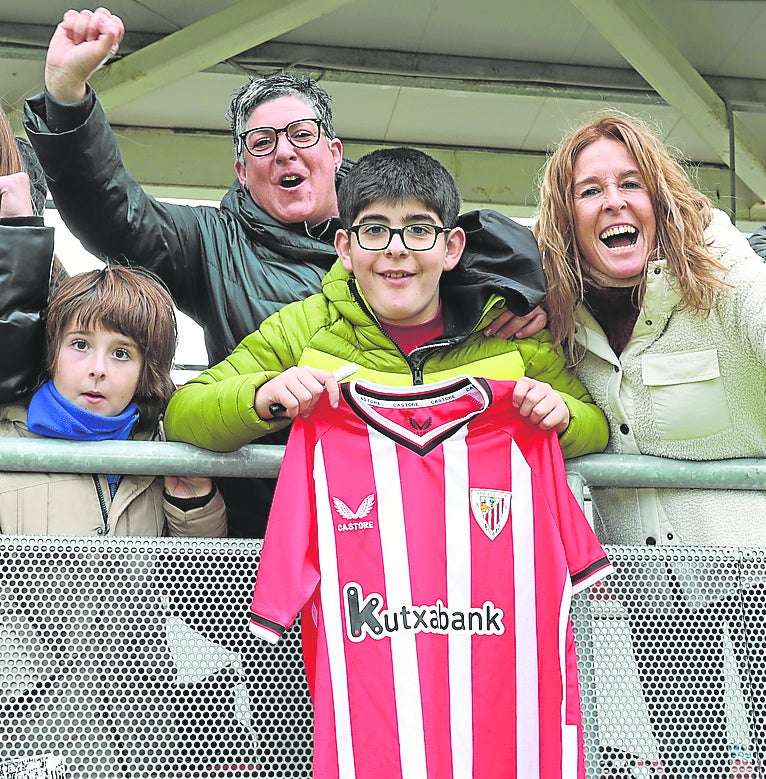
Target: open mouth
<point>290,182</point>
<point>619,237</point>
<point>397,275</point>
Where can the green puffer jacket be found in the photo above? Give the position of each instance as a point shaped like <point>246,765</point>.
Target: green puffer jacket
<point>215,410</point>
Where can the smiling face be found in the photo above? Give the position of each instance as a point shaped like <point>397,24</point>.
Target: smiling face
<point>97,370</point>
<point>292,185</point>
<point>401,285</point>
<point>615,224</point>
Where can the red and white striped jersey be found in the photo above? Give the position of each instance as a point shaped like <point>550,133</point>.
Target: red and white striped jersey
<point>431,539</point>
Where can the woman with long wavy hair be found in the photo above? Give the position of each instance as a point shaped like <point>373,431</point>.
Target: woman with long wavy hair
<point>661,305</point>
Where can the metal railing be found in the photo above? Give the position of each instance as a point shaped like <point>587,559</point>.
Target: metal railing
<point>159,626</point>
<point>640,471</point>
<point>175,459</point>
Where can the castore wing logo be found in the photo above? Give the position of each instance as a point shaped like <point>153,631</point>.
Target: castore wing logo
<point>421,427</point>
<point>365,507</point>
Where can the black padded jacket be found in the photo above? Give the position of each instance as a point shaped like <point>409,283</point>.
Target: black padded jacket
<point>230,267</point>
<point>758,241</point>
<point>26,254</point>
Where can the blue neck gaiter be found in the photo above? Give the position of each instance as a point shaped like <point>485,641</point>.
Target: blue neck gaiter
<point>53,416</point>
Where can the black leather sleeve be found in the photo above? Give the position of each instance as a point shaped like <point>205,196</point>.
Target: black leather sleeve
<point>500,256</point>
<point>758,241</point>
<point>26,254</point>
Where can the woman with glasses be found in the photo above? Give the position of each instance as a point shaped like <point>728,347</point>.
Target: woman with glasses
<point>269,242</point>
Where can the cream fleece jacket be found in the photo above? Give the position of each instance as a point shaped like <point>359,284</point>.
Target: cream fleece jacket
<point>687,386</point>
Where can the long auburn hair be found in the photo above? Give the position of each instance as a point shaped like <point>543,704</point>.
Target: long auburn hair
<point>10,159</point>
<point>130,301</point>
<point>681,212</point>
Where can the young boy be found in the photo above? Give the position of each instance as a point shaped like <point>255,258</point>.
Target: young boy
<point>110,337</point>
<point>422,522</point>
<point>386,306</point>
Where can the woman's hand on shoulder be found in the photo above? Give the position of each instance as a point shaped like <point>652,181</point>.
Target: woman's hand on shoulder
<point>509,325</point>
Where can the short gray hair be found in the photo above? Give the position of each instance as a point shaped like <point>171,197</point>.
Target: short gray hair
<point>276,85</point>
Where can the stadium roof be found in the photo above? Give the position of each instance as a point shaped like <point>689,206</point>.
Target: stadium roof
<point>488,86</point>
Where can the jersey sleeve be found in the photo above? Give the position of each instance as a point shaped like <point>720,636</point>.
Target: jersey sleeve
<point>586,559</point>
<point>288,573</point>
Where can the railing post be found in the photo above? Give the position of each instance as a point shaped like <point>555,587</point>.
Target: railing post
<point>577,485</point>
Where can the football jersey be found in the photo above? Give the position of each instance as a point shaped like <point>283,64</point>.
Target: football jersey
<point>433,543</point>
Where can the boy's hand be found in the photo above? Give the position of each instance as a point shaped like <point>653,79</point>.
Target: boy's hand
<point>542,404</point>
<point>297,390</point>
<point>15,198</point>
<point>509,325</point>
<point>83,41</point>
<point>188,486</point>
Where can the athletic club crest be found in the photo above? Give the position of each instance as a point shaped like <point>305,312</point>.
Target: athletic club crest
<point>490,509</point>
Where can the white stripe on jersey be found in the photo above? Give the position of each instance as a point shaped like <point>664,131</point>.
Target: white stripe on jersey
<point>409,706</point>
<point>569,733</point>
<point>331,609</point>
<point>570,748</point>
<point>527,693</point>
<point>457,508</point>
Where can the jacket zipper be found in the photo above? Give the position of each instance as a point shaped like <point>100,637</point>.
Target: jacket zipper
<point>416,366</point>
<point>102,503</point>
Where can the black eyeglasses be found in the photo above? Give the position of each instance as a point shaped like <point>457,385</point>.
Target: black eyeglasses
<point>261,141</point>
<point>416,237</point>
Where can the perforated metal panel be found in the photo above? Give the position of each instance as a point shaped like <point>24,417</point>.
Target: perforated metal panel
<point>132,657</point>
<point>672,664</point>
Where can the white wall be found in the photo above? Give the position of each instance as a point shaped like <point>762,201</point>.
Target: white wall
<point>191,346</point>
